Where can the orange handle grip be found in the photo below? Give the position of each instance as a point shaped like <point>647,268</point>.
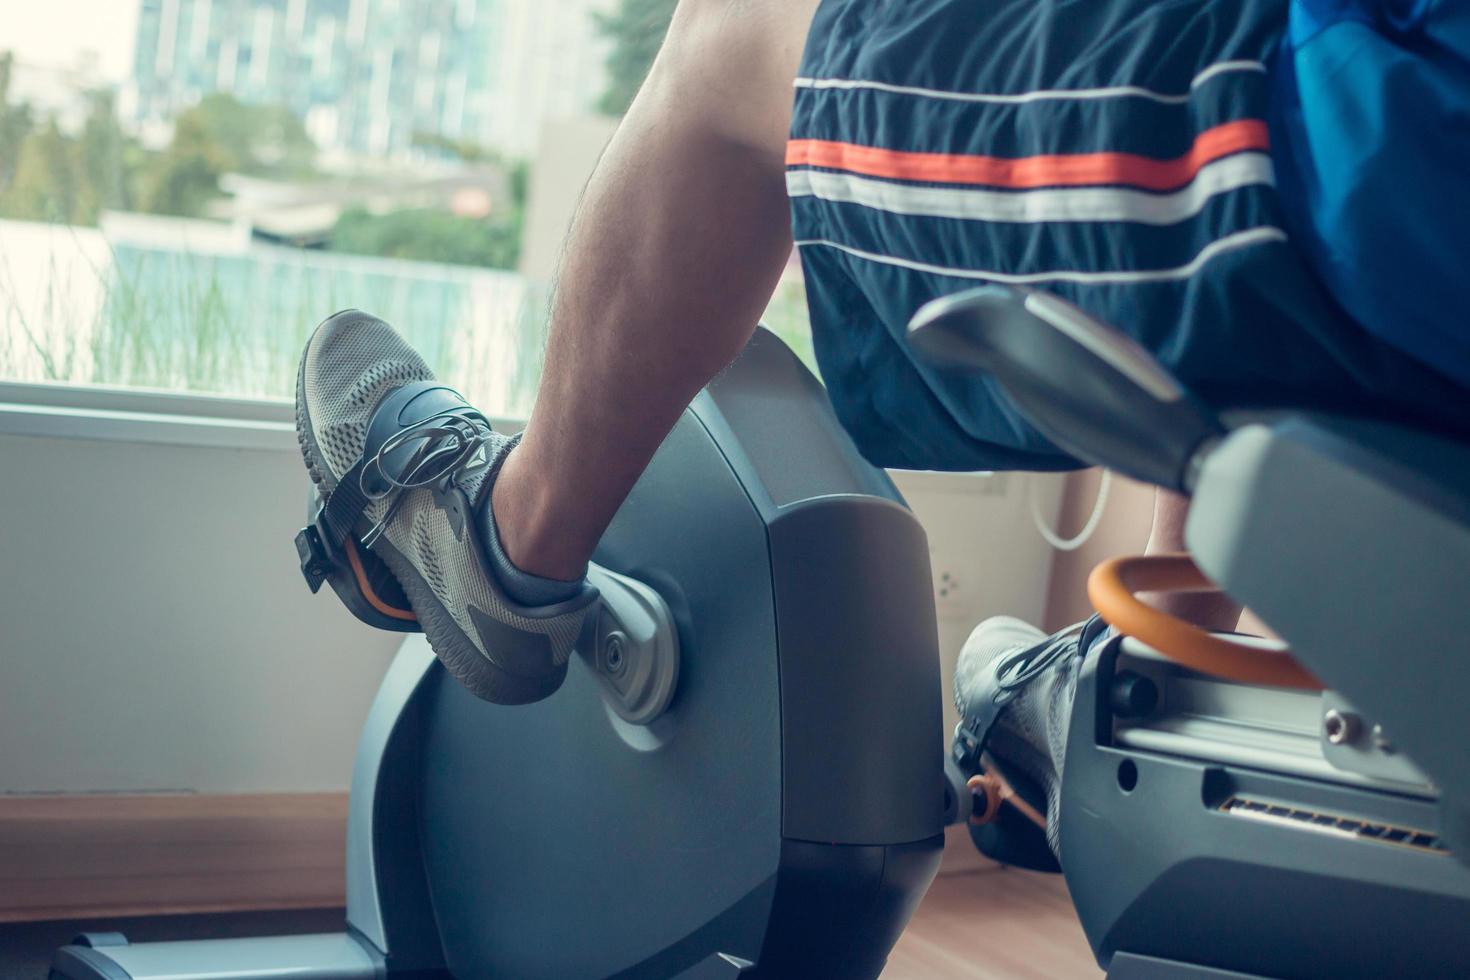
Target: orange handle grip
<point>1111,587</point>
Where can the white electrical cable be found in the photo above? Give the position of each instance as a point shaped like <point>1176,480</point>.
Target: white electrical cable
<point>1052,537</point>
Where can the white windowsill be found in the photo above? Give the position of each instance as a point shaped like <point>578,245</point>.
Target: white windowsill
<point>68,411</point>
<point>99,412</point>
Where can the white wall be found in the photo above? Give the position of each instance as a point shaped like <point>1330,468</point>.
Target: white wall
<point>567,151</point>
<point>155,633</point>
<point>982,535</point>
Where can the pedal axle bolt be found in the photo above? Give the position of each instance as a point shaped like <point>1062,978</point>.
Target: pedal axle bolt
<point>612,651</point>
<point>1341,727</point>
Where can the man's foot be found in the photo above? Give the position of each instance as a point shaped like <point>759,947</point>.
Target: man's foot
<point>1014,687</point>
<point>410,465</point>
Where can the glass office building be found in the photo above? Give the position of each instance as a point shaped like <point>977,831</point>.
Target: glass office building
<point>366,75</point>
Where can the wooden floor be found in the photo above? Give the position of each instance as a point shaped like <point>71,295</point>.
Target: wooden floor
<point>983,925</point>
<point>996,924</point>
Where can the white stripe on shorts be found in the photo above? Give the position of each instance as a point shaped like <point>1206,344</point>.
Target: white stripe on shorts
<point>1040,95</point>
<point>1229,243</point>
<point>1040,205</point>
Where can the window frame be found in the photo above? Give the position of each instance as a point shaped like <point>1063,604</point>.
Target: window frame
<point>105,412</point>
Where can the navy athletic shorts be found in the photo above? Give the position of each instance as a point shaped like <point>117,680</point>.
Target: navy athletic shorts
<point>1115,152</point>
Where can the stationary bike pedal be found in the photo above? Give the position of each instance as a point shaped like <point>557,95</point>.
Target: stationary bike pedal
<point>360,578</point>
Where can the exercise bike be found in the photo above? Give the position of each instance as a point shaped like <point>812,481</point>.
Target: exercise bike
<point>742,776</point>
<point>1234,808</point>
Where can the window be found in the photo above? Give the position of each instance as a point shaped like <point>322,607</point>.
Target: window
<point>188,186</point>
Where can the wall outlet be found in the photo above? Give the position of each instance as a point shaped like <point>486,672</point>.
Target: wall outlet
<point>957,585</point>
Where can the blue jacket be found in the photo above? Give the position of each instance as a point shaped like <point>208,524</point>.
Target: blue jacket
<point>1371,135</point>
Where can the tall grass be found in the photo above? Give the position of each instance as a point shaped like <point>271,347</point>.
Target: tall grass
<point>93,312</point>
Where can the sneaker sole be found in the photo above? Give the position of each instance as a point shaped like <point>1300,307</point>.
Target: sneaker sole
<point>456,651</point>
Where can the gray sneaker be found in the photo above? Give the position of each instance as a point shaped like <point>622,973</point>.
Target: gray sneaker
<point>403,465</point>
<point>1014,687</point>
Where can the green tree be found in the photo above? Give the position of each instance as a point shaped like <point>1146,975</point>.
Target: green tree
<point>104,157</point>
<point>185,176</point>
<point>47,179</point>
<point>636,30</point>
<point>16,123</point>
<point>220,135</point>
<point>438,236</point>
<point>59,177</point>
<point>427,235</point>
<point>266,141</point>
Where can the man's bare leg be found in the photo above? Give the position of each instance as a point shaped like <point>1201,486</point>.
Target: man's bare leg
<point>676,248</point>
<point>1211,610</point>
